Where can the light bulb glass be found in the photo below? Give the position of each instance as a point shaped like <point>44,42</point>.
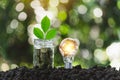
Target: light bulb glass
<point>68,49</point>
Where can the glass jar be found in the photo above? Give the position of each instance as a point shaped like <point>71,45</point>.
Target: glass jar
<point>43,55</point>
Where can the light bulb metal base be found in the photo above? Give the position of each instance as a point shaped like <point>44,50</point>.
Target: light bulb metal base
<point>68,62</point>
<point>68,65</point>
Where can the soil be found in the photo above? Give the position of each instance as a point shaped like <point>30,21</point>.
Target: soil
<point>77,73</point>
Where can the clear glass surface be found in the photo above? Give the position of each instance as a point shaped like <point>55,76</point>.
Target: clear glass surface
<point>43,56</point>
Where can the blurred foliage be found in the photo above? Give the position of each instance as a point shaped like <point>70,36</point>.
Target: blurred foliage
<point>76,18</point>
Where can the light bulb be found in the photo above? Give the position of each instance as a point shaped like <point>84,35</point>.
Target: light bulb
<point>68,48</point>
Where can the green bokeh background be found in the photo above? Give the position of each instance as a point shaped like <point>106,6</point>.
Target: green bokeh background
<point>14,45</point>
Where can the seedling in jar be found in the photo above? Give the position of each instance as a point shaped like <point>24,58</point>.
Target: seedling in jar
<point>43,46</point>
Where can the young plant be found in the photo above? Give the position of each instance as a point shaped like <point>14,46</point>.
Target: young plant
<point>45,32</point>
<point>43,56</point>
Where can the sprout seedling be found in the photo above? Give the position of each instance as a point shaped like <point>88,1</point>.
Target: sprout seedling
<point>45,32</point>
<point>43,46</point>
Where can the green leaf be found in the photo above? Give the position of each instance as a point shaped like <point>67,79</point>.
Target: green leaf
<point>38,33</point>
<point>45,24</point>
<point>51,34</point>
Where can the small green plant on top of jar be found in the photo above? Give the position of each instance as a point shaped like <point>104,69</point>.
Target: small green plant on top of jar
<point>43,56</point>
<point>45,32</point>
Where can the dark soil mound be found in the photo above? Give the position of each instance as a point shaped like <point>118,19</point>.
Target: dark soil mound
<point>77,73</point>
